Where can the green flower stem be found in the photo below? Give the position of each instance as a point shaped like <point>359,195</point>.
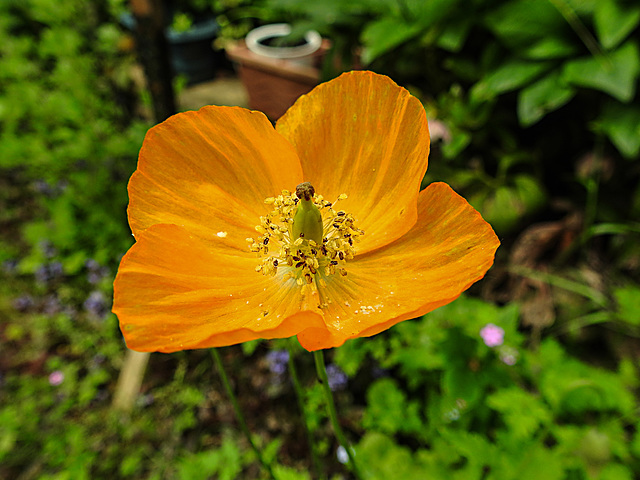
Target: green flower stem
<point>239,415</point>
<point>317,466</point>
<point>321,369</point>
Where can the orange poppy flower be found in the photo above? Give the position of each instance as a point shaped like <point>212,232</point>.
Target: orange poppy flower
<point>216,261</point>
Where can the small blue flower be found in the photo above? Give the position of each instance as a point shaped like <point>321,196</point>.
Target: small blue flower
<point>96,304</point>
<point>95,271</point>
<point>51,305</point>
<point>23,303</point>
<point>337,378</point>
<point>49,272</point>
<point>277,361</point>
<point>10,266</point>
<point>47,249</point>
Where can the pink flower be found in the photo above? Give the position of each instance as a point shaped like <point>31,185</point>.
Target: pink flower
<point>492,335</point>
<point>56,378</point>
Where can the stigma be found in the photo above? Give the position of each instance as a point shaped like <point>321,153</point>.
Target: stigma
<point>305,240</point>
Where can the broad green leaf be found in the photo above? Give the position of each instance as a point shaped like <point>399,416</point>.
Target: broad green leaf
<point>542,97</point>
<point>505,207</point>
<point>509,76</point>
<point>549,48</point>
<point>580,7</point>
<point>621,123</point>
<point>614,21</point>
<point>453,36</point>
<point>460,140</point>
<point>615,74</point>
<point>521,23</point>
<point>384,35</point>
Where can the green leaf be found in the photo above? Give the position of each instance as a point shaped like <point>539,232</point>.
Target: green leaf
<point>615,471</point>
<point>635,443</point>
<point>389,411</point>
<point>523,412</point>
<point>614,21</point>
<point>543,96</point>
<point>536,463</point>
<point>505,206</point>
<point>473,447</point>
<point>549,48</point>
<point>628,305</point>
<point>225,462</point>
<point>287,473</point>
<point>453,36</point>
<point>621,123</point>
<point>521,23</point>
<point>577,388</point>
<point>615,74</point>
<point>383,35</point>
<point>381,459</point>
<point>509,76</point>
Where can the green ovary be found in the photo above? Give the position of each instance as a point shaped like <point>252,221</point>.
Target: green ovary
<point>307,222</point>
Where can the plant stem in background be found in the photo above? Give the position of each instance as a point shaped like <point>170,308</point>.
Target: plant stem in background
<point>239,415</point>
<point>301,404</point>
<point>581,30</point>
<point>153,53</point>
<point>581,289</point>
<point>130,379</point>
<point>321,369</point>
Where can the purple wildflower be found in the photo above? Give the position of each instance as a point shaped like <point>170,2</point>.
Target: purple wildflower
<point>47,249</point>
<point>277,361</point>
<point>23,303</point>
<point>337,378</point>
<point>95,271</point>
<point>492,335</point>
<point>96,304</point>
<point>44,187</point>
<point>51,305</point>
<point>10,266</point>
<point>48,272</point>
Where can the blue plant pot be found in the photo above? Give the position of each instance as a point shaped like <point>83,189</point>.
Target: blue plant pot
<point>191,52</point>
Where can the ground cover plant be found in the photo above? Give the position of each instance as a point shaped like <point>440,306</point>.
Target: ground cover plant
<point>532,374</point>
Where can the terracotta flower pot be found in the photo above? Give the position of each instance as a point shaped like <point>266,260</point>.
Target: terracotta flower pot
<point>276,76</point>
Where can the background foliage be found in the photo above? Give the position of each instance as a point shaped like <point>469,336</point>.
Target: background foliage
<point>535,118</point>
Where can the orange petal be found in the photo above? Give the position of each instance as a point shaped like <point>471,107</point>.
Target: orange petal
<point>174,291</point>
<point>449,248</point>
<point>210,168</point>
<point>363,135</point>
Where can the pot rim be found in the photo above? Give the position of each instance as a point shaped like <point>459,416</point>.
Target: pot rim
<point>253,38</point>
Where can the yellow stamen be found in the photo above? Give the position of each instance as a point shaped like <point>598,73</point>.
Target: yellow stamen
<point>328,240</point>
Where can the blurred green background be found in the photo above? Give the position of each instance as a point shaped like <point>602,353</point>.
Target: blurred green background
<point>534,114</point>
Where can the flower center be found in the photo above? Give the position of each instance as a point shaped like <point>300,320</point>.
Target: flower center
<point>305,237</point>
